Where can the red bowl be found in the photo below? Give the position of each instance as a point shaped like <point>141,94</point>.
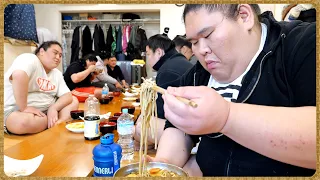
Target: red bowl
<point>113,119</point>
<point>117,114</point>
<point>107,127</point>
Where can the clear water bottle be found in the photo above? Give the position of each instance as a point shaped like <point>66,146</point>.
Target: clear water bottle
<point>91,106</point>
<point>125,127</point>
<point>105,91</point>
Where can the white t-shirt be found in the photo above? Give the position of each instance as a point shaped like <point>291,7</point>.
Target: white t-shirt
<point>43,88</point>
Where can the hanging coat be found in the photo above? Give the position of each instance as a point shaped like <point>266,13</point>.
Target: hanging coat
<point>75,45</point>
<point>96,39</point>
<point>109,39</point>
<point>102,44</point>
<point>119,41</point>
<point>86,41</point>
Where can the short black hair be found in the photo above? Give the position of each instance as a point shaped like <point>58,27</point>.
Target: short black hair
<point>90,57</point>
<point>181,41</point>
<point>46,45</point>
<point>160,41</point>
<point>105,55</point>
<point>229,10</point>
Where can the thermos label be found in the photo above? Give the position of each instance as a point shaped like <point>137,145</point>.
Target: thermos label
<point>106,169</point>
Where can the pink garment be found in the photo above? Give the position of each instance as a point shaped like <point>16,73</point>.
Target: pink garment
<point>128,32</point>
<point>124,39</point>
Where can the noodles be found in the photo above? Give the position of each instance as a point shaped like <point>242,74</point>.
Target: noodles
<point>148,110</point>
<point>158,173</point>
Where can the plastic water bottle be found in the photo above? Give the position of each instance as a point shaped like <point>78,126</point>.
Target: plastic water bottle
<point>106,157</point>
<point>125,127</point>
<point>91,106</point>
<point>105,91</point>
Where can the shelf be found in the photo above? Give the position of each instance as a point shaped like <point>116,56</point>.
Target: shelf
<point>115,20</point>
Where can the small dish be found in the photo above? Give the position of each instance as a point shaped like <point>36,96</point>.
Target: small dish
<point>16,167</point>
<point>127,94</point>
<point>77,127</point>
<point>136,104</point>
<point>129,98</point>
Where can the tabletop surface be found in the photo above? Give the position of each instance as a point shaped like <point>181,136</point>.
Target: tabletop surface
<point>66,154</point>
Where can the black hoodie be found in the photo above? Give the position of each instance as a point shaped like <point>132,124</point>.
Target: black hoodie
<point>284,74</point>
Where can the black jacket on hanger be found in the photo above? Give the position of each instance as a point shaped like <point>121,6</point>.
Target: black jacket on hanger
<point>102,43</point>
<point>109,39</point>
<point>75,48</point>
<point>96,39</point>
<point>141,40</point>
<point>86,41</point>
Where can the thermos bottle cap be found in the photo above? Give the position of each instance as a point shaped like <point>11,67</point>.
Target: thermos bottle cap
<point>107,138</point>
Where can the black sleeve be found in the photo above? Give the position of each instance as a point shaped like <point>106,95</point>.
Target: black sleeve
<point>302,72</point>
<point>119,73</point>
<point>180,82</point>
<point>75,68</point>
<point>165,79</point>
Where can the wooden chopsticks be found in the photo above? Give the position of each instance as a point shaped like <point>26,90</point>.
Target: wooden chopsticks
<point>184,100</point>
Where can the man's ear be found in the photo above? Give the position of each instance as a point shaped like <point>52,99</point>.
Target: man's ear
<point>159,52</point>
<point>41,51</point>
<point>246,16</point>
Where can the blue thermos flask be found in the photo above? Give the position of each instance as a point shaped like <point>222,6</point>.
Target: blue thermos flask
<point>106,156</point>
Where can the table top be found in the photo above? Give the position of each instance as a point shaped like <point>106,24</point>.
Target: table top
<point>66,154</point>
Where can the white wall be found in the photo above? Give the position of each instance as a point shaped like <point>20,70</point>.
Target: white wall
<point>12,51</point>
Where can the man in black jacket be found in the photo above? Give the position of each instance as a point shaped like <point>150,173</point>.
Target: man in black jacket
<point>170,66</point>
<point>257,115</point>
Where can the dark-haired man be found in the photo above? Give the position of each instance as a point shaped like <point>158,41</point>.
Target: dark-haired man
<point>184,47</point>
<point>255,87</point>
<point>170,66</point>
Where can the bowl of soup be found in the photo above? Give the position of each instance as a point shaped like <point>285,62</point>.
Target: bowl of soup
<point>154,169</point>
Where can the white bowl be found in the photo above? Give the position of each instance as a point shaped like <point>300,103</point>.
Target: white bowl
<point>16,167</point>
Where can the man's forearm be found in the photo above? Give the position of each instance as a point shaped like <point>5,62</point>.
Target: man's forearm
<point>62,102</point>
<point>174,147</point>
<point>20,82</point>
<point>284,134</point>
<point>80,76</point>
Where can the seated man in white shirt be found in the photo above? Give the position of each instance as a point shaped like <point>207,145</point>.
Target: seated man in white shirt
<point>36,96</point>
<point>104,77</point>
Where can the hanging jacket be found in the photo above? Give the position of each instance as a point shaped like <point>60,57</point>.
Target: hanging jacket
<point>109,39</point>
<point>132,37</point>
<point>75,45</point>
<point>124,39</point>
<point>284,74</point>
<point>102,43</point>
<point>86,41</point>
<point>20,22</point>
<point>113,45</point>
<point>119,41</point>
<point>96,39</point>
<point>141,40</point>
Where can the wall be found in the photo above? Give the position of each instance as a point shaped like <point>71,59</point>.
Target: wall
<point>11,52</point>
<point>49,15</point>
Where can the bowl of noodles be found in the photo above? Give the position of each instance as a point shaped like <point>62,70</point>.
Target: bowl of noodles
<point>153,169</point>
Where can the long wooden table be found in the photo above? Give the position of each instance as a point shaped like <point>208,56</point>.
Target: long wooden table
<point>66,154</point>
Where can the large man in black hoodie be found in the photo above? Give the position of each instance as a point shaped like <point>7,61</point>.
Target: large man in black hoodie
<point>257,115</point>
<point>170,66</point>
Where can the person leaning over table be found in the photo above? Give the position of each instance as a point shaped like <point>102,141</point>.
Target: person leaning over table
<point>79,75</point>
<point>35,95</point>
<point>103,78</point>
<point>255,84</point>
<point>170,66</point>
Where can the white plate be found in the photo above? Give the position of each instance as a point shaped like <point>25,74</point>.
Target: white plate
<point>16,167</point>
<point>130,98</point>
<point>136,104</point>
<point>127,94</point>
<point>72,127</point>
